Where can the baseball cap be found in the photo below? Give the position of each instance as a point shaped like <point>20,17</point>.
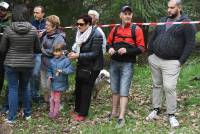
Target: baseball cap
<point>126,8</point>
<point>4,5</point>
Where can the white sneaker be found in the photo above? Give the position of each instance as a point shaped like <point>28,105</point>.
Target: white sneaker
<point>152,115</point>
<point>28,118</point>
<point>61,107</point>
<point>9,122</point>
<point>173,122</point>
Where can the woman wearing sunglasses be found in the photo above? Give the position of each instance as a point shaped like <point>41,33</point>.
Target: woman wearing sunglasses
<point>87,50</point>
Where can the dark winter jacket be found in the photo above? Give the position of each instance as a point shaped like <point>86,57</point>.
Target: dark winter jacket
<point>60,82</point>
<point>176,43</point>
<point>39,25</point>
<point>4,22</point>
<point>18,44</point>
<point>91,54</point>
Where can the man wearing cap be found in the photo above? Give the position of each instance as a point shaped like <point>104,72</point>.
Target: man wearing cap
<point>5,20</point>
<point>169,48</point>
<point>95,19</point>
<point>123,50</point>
<point>5,16</point>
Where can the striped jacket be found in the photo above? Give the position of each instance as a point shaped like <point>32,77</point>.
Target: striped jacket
<point>19,43</point>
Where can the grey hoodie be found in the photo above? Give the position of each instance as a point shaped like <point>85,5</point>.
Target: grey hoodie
<point>18,44</point>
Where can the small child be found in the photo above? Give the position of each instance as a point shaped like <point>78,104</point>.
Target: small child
<point>60,67</point>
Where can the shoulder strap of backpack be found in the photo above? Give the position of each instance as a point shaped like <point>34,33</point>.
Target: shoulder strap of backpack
<point>114,33</point>
<point>133,27</point>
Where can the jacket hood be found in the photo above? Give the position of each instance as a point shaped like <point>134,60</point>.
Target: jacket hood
<point>183,17</point>
<point>21,27</point>
<point>57,33</point>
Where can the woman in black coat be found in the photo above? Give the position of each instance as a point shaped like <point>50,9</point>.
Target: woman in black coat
<point>87,49</point>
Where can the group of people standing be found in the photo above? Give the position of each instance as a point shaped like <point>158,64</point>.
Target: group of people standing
<point>169,48</point>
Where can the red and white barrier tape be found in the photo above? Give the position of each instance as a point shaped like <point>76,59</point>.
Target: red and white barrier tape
<point>140,24</point>
<point>146,24</point>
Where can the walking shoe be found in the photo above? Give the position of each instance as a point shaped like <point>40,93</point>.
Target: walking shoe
<point>9,122</point>
<point>152,116</point>
<point>4,110</point>
<point>50,115</point>
<point>28,118</point>
<point>120,123</point>
<point>56,115</point>
<point>61,107</point>
<point>111,116</point>
<point>79,118</point>
<point>173,121</point>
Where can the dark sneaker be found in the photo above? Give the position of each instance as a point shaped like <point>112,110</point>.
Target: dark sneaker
<point>111,116</point>
<point>4,110</point>
<point>120,123</point>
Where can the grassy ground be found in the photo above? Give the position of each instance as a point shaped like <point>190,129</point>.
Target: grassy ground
<point>139,105</point>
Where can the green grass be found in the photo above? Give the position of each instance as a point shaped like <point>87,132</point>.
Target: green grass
<point>188,112</point>
<point>198,36</point>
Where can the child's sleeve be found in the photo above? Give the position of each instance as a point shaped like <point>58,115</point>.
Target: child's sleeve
<point>68,67</point>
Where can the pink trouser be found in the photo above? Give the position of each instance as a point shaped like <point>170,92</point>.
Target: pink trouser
<point>55,102</point>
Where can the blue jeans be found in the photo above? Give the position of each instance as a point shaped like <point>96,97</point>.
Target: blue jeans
<point>35,79</point>
<point>121,74</point>
<point>1,76</point>
<point>14,77</point>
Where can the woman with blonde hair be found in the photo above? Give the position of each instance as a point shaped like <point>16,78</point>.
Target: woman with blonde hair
<point>53,36</point>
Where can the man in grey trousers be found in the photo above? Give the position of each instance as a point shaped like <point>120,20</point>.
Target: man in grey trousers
<point>169,48</point>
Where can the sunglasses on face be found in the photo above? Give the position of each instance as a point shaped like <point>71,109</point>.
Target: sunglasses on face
<point>80,24</point>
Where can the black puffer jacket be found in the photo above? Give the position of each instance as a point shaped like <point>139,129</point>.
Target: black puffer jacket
<point>176,43</point>
<point>18,44</point>
<point>4,22</point>
<point>91,54</point>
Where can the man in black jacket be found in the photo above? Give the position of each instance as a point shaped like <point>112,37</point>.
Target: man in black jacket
<point>5,20</point>
<point>39,24</point>
<point>169,48</point>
